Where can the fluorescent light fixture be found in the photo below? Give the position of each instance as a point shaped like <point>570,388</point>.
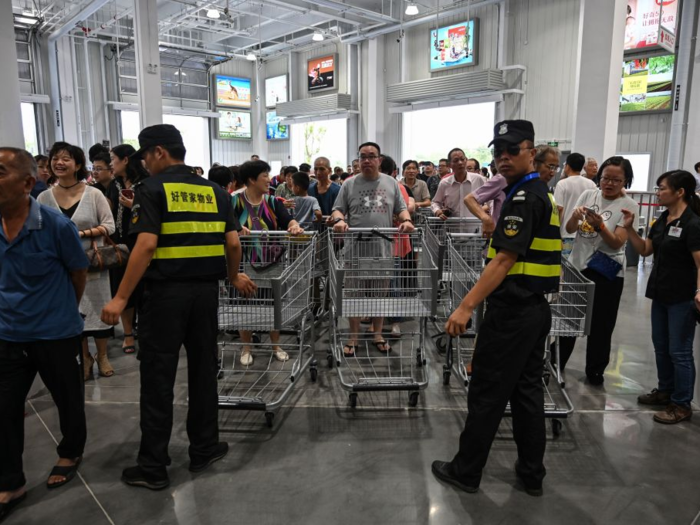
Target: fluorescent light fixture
<point>27,12</point>
<point>213,13</point>
<point>251,56</point>
<point>318,36</point>
<point>26,20</point>
<point>411,9</point>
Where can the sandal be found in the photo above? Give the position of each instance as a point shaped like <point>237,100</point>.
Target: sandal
<point>104,367</point>
<point>129,349</point>
<point>382,342</point>
<point>246,358</point>
<point>87,367</point>
<point>6,508</point>
<point>68,472</point>
<point>349,350</point>
<point>280,355</point>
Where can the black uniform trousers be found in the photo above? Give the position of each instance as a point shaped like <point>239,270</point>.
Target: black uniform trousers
<point>507,366</point>
<point>59,364</point>
<point>606,302</point>
<point>174,314</point>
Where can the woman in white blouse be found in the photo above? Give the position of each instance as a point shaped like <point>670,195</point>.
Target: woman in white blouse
<point>90,212</point>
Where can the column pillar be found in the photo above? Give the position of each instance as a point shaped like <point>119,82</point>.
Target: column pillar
<point>70,114</point>
<point>376,90</point>
<point>148,62</point>
<point>684,142</point>
<point>11,133</point>
<point>600,55</point>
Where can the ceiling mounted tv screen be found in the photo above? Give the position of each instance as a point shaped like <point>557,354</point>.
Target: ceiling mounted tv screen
<point>275,129</point>
<point>647,84</point>
<point>454,46</point>
<point>232,92</point>
<point>234,125</point>
<point>321,73</point>
<point>275,91</point>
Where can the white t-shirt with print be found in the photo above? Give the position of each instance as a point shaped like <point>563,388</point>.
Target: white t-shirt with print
<point>588,241</point>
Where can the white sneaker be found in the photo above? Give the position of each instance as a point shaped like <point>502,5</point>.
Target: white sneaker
<point>281,355</point>
<point>246,358</point>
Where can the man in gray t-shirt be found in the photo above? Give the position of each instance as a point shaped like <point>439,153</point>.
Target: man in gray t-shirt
<point>369,200</point>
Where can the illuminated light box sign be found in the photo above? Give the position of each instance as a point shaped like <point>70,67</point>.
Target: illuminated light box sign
<point>321,73</point>
<point>453,46</point>
<point>644,19</point>
<point>275,129</point>
<point>234,125</point>
<point>275,91</point>
<point>232,92</point>
<point>647,84</point>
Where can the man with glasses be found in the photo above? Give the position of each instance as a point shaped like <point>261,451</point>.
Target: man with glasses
<point>524,265</point>
<point>567,192</point>
<point>369,200</point>
<point>547,162</point>
<point>450,195</point>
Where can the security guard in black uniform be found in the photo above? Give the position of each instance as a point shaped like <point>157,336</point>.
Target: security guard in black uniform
<point>187,240</point>
<point>524,265</point>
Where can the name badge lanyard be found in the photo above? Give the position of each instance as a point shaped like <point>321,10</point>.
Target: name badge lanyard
<point>522,181</point>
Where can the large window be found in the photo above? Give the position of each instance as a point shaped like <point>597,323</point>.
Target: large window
<point>195,135</point>
<point>429,134</point>
<point>325,138</point>
<point>31,142</point>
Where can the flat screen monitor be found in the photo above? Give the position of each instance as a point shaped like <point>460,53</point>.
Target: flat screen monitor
<point>647,84</point>
<point>643,20</point>
<point>275,91</point>
<point>322,73</point>
<point>454,46</point>
<point>275,129</point>
<point>232,92</point>
<point>234,124</point>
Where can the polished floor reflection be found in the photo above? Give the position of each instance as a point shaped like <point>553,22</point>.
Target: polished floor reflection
<point>323,463</point>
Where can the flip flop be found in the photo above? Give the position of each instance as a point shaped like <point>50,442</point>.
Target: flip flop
<point>68,472</point>
<point>382,342</point>
<point>6,508</point>
<point>351,353</point>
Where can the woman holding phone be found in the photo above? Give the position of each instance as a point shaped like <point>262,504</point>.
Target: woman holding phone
<point>127,176</point>
<point>599,254</point>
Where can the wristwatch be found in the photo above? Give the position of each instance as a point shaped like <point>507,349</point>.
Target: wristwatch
<point>407,220</point>
<point>338,220</point>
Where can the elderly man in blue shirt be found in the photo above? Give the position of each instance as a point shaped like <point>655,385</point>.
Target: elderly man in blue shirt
<point>43,270</point>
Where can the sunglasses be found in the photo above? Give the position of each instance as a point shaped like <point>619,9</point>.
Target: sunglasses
<point>511,149</point>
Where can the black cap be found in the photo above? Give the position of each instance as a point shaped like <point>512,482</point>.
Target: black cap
<point>158,135</point>
<point>512,131</point>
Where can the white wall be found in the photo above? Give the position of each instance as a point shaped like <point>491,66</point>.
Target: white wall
<point>643,134</point>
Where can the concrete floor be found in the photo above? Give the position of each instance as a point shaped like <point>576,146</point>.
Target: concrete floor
<point>323,463</point>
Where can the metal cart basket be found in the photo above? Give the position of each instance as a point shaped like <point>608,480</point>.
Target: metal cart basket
<point>281,266</point>
<point>380,273</point>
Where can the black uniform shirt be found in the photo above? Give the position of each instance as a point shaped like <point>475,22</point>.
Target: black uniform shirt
<point>147,210</point>
<point>520,217</point>
<point>674,276</point>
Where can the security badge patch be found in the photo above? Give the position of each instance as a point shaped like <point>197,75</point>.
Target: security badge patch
<point>512,225</point>
<point>503,129</point>
<point>135,213</point>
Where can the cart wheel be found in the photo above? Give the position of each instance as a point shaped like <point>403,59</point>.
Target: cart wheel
<point>269,418</point>
<point>256,339</point>
<point>330,359</point>
<point>441,344</point>
<point>556,427</point>
<point>413,399</point>
<point>545,378</point>
<point>353,400</point>
<point>446,377</point>
<point>314,374</point>
<point>419,358</point>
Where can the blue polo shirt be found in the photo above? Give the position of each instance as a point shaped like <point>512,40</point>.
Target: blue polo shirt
<point>37,298</point>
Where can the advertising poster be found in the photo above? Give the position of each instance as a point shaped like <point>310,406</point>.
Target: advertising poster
<point>452,46</point>
<point>647,84</point>
<point>234,125</point>
<point>643,20</point>
<point>275,91</point>
<point>275,129</point>
<point>232,91</point>
<point>321,73</point>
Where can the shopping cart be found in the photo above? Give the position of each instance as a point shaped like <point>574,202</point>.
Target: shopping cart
<point>281,266</point>
<point>320,271</point>
<point>571,316</point>
<point>380,273</point>
<point>423,214</point>
<point>436,233</point>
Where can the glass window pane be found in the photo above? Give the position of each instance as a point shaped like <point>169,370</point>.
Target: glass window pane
<point>22,51</point>
<point>31,143</point>
<point>25,70</point>
<point>325,137</point>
